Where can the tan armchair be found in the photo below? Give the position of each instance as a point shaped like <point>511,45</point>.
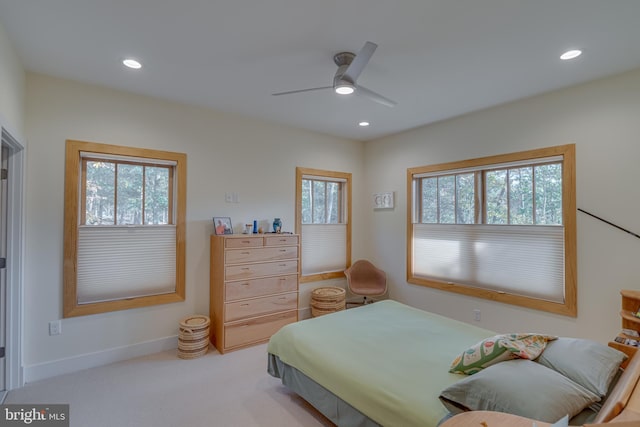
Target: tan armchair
<point>366,280</point>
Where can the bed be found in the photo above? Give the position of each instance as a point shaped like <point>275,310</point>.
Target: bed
<point>383,364</point>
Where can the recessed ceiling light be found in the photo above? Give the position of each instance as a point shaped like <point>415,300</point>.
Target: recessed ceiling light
<point>364,124</point>
<point>570,54</point>
<point>132,63</point>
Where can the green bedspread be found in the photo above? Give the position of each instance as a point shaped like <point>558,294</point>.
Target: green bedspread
<point>388,360</point>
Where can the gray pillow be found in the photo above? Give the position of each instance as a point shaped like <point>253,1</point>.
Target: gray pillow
<point>519,387</point>
<point>588,363</point>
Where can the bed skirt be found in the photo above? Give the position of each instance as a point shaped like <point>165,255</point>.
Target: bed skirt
<point>331,406</point>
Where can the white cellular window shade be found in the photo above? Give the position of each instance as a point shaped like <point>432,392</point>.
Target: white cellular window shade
<point>131,159</point>
<point>125,262</point>
<point>520,260</point>
<point>324,178</point>
<point>324,248</point>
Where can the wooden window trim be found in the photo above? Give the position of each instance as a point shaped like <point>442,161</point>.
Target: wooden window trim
<point>569,307</point>
<point>300,173</point>
<point>71,221</point>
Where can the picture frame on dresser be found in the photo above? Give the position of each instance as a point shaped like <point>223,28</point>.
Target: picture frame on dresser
<point>222,225</point>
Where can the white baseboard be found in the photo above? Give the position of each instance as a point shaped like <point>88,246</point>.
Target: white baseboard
<point>91,360</point>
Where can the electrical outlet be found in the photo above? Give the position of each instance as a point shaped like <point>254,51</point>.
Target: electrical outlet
<point>55,327</point>
<point>476,315</point>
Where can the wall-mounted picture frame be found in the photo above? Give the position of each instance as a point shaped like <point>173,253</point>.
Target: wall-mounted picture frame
<point>222,225</point>
<point>383,200</point>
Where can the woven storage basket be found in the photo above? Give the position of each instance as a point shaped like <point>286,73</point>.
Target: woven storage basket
<point>192,354</point>
<point>327,300</point>
<point>193,338</point>
<point>315,312</point>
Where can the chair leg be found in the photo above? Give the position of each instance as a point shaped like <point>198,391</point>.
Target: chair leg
<point>365,301</point>
<point>358,303</point>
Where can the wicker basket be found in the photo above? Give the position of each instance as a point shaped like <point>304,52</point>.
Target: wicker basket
<point>193,338</point>
<point>327,300</point>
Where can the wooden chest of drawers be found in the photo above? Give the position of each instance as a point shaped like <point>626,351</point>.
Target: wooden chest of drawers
<point>254,287</point>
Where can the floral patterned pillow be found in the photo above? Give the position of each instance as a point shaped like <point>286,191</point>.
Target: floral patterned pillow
<point>498,349</point>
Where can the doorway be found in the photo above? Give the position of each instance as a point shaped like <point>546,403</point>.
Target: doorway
<point>11,253</point>
<point>4,154</point>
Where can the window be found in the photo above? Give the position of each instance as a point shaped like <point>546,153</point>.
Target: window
<point>125,193</point>
<point>124,228</point>
<point>500,227</point>
<point>323,219</point>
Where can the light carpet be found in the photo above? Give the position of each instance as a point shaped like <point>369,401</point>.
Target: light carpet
<point>162,390</point>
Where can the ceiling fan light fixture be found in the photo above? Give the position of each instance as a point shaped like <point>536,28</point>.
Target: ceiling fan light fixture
<point>344,89</point>
<point>132,63</point>
<point>350,65</point>
<point>570,54</point>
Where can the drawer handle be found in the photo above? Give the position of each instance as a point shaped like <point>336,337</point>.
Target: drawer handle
<point>246,268</point>
<point>282,298</point>
<point>283,265</point>
<point>244,284</point>
<point>283,240</point>
<point>283,250</point>
<point>245,253</point>
<point>244,305</point>
<point>246,241</point>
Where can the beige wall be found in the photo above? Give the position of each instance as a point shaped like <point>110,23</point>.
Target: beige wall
<point>603,119</point>
<point>12,82</point>
<point>225,153</point>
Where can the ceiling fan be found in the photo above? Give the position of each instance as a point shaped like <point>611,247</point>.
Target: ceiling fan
<point>350,66</point>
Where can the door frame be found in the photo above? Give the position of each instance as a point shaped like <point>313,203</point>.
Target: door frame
<point>14,375</point>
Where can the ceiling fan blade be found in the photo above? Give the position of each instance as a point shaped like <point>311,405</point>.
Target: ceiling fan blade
<point>360,61</point>
<point>301,90</point>
<point>363,91</point>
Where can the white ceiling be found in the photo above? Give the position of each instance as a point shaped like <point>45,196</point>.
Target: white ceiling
<point>436,58</point>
